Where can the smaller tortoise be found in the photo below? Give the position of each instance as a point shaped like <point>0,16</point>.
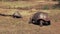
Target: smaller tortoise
<point>40,18</point>
<point>17,15</point>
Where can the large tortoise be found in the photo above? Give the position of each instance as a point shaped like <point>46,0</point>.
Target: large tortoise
<point>40,18</point>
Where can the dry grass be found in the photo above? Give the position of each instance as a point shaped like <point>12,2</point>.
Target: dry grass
<point>9,25</point>
<point>21,26</point>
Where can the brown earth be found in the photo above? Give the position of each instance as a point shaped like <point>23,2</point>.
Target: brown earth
<point>9,25</point>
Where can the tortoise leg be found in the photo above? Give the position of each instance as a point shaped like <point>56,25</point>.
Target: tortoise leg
<point>41,23</point>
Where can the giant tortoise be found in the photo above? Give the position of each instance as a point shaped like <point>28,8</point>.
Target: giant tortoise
<point>40,18</point>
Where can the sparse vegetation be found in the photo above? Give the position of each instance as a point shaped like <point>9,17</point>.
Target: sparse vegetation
<point>46,7</point>
<point>9,25</point>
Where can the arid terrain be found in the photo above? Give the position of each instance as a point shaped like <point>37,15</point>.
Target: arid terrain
<point>10,25</point>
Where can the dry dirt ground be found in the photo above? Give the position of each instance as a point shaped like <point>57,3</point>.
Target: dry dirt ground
<point>9,25</point>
